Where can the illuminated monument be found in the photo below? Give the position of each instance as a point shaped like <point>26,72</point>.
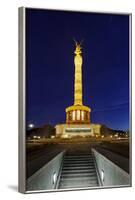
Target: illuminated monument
<point>77,115</point>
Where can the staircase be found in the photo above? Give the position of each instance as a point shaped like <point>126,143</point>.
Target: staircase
<point>78,171</point>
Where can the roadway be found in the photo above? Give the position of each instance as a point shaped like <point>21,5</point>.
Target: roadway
<point>38,154</point>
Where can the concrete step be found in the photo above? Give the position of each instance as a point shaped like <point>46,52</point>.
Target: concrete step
<point>72,171</point>
<point>69,187</point>
<point>76,167</point>
<point>78,161</point>
<point>78,180</point>
<point>64,187</point>
<point>78,172</point>
<point>78,156</point>
<point>70,158</point>
<point>77,183</point>
<point>83,175</point>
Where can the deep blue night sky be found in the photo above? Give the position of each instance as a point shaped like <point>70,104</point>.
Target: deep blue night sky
<point>50,66</point>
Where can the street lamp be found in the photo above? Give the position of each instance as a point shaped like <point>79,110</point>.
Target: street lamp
<point>31,126</point>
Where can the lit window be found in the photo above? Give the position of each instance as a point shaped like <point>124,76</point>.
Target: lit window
<point>78,114</point>
<point>70,116</point>
<point>82,113</point>
<point>73,115</point>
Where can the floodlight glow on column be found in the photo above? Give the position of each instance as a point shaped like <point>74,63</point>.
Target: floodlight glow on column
<point>78,113</point>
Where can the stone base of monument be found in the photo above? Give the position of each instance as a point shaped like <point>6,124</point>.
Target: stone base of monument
<point>74,130</point>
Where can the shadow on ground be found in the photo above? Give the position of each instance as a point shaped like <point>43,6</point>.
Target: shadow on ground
<point>13,187</point>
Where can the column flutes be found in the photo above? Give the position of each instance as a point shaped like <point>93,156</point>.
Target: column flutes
<point>78,76</point>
